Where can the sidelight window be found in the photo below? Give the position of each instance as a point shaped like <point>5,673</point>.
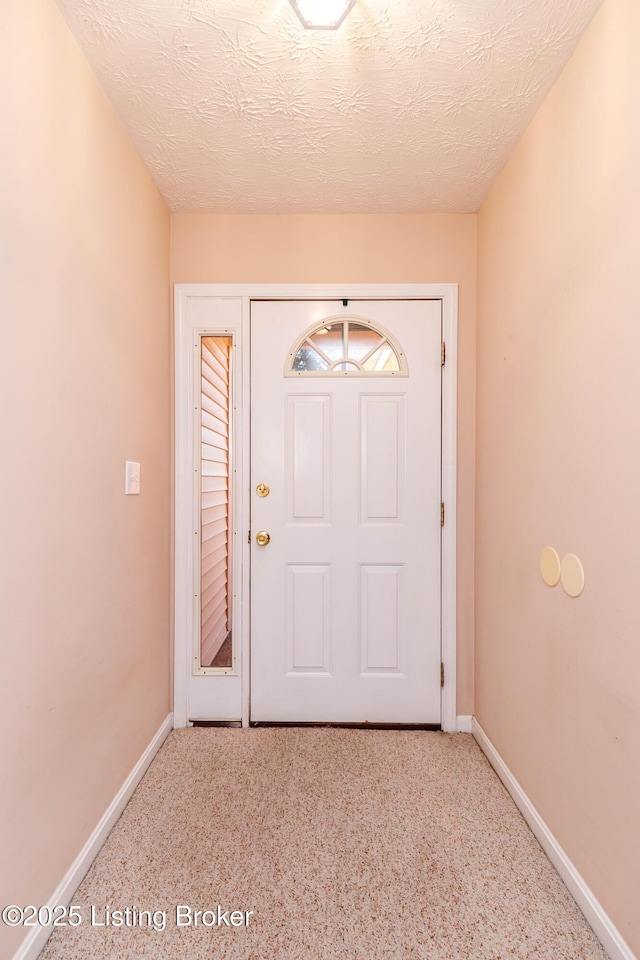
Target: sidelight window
<point>215,504</point>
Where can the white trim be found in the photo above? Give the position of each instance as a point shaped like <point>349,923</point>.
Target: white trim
<point>34,942</point>
<point>321,291</point>
<point>448,294</point>
<point>449,498</point>
<point>464,724</point>
<point>244,415</point>
<point>604,928</point>
<point>183,558</point>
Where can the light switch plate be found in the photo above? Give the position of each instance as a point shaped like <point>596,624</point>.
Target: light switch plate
<point>132,477</point>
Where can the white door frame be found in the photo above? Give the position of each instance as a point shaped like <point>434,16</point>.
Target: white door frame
<point>237,297</point>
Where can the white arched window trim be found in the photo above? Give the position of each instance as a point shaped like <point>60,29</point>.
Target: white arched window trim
<point>355,367</point>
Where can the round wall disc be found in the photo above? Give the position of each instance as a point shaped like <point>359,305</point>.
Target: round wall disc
<point>550,566</point>
<point>572,575</point>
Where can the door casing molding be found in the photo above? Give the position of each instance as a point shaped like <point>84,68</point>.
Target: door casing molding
<point>184,453</point>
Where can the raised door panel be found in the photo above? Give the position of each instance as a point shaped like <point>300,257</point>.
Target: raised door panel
<point>308,458</point>
<point>308,613</point>
<point>382,459</point>
<point>382,618</point>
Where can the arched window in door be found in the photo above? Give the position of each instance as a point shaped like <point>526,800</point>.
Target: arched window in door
<point>339,347</point>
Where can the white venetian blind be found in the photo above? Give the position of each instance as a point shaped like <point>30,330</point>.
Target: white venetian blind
<point>215,499</point>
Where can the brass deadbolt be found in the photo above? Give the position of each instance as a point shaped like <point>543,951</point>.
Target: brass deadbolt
<point>263,490</point>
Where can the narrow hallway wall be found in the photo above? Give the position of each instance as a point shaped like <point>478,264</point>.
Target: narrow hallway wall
<point>558,461</point>
<point>84,386</point>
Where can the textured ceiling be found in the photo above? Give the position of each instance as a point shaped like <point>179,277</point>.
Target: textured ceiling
<point>412,105</point>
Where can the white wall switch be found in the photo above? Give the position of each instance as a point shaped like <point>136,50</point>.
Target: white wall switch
<point>132,477</point>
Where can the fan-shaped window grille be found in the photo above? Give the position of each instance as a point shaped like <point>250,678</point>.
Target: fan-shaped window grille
<point>338,347</point>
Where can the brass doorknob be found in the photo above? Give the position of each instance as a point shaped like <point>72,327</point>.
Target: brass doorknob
<point>262,538</point>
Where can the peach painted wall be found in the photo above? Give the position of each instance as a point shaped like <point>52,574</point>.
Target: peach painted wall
<point>358,248</point>
<point>558,461</point>
<point>84,385</point>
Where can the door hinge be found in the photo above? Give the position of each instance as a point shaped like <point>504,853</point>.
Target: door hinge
<point>443,353</point>
<point>442,514</point>
<point>441,674</point>
<point>249,537</point>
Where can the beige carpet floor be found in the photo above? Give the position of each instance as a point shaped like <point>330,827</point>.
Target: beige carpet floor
<point>345,844</point>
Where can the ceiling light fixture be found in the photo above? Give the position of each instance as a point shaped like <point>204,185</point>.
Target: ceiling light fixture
<point>322,14</point>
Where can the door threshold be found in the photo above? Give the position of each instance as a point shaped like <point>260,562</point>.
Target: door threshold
<point>349,726</point>
<point>216,723</point>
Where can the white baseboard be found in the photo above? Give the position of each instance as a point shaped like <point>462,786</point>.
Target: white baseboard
<point>34,942</point>
<point>464,724</point>
<point>604,928</point>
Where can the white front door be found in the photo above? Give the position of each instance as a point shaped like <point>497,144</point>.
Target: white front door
<point>346,452</point>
